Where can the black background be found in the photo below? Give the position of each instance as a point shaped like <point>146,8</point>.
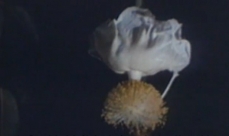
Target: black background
<point>60,89</point>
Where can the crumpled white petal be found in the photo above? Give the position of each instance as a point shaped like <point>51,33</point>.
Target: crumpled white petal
<point>140,45</point>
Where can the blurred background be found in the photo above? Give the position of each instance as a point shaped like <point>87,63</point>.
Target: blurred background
<point>60,89</point>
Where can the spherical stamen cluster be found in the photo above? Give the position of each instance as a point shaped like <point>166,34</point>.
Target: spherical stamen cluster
<point>135,104</point>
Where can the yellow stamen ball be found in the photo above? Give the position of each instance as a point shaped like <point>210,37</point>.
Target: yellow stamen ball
<point>135,104</point>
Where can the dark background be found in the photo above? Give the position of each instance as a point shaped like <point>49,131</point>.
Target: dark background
<point>60,89</point>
